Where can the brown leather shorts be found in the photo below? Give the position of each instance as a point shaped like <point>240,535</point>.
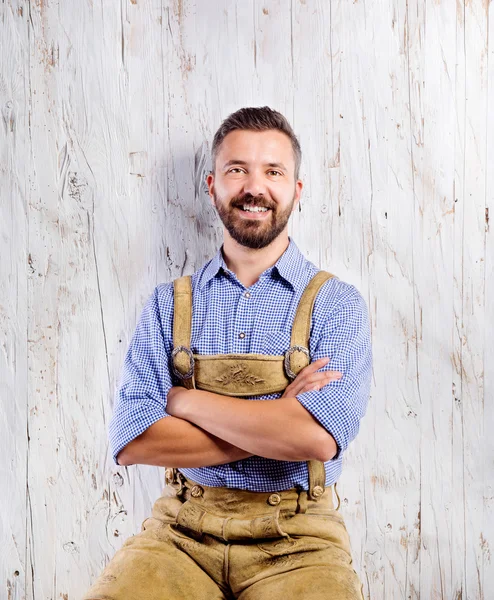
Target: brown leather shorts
<point>219,543</point>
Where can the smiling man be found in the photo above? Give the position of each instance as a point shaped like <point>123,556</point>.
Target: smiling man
<point>227,384</point>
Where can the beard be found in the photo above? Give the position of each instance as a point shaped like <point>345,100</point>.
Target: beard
<point>253,233</point>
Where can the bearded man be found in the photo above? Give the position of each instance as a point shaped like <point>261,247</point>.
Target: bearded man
<point>227,384</point>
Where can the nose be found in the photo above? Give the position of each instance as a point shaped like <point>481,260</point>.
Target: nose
<point>255,184</point>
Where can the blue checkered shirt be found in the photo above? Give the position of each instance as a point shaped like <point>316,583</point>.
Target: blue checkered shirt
<point>222,311</point>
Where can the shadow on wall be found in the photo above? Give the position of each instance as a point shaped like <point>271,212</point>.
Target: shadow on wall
<point>192,229</point>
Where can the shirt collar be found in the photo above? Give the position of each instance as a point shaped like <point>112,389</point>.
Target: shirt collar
<point>290,266</point>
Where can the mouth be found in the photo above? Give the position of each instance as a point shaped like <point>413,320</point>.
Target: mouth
<point>253,212</point>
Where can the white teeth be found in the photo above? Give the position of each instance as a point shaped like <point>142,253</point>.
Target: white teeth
<point>255,208</point>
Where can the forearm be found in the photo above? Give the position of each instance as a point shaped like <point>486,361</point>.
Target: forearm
<point>281,429</point>
<point>174,442</point>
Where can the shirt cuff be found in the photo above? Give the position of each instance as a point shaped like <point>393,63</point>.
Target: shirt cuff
<point>131,419</point>
<point>334,415</point>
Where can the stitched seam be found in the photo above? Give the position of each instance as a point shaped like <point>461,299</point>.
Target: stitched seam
<point>226,565</point>
<point>223,526</point>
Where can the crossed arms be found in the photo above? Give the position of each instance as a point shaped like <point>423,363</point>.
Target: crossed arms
<point>206,429</point>
<point>157,423</point>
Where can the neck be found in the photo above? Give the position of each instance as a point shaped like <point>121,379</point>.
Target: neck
<point>249,263</point>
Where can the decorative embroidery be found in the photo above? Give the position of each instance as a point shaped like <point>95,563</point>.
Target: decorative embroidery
<point>238,374</point>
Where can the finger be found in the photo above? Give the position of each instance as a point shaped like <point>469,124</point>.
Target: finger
<point>302,382</point>
<point>320,362</point>
<point>314,366</point>
<point>325,375</point>
<point>331,375</point>
<point>305,379</point>
<point>316,383</point>
<point>320,384</point>
<point>320,376</point>
<point>295,388</point>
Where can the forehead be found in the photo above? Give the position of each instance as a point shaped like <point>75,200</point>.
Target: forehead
<point>256,147</point>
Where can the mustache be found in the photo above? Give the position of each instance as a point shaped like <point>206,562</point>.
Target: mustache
<point>250,200</point>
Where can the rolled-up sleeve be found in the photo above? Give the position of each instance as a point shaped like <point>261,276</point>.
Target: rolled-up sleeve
<point>345,338</point>
<point>145,378</point>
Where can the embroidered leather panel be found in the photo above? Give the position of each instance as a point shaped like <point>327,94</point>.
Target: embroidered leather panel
<point>240,374</point>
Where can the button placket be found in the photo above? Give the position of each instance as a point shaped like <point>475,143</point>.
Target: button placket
<point>243,322</point>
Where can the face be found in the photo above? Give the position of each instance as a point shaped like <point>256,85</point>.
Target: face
<point>254,188</point>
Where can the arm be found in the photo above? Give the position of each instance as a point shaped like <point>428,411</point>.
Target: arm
<point>344,335</point>
<point>307,423</point>
<point>173,442</point>
<point>141,430</point>
<point>281,429</point>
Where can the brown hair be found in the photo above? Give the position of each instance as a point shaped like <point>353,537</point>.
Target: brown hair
<point>257,119</point>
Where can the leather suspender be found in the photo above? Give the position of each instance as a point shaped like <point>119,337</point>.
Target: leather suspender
<point>246,374</point>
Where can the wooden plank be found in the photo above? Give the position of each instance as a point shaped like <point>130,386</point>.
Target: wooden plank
<point>469,427</point>
<point>14,263</point>
<point>69,373</point>
<point>431,62</point>
<point>487,449</point>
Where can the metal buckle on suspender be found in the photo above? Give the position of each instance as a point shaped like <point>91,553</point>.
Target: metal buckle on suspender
<point>288,354</point>
<point>187,351</point>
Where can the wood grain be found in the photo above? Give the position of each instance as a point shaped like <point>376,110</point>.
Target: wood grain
<point>108,113</point>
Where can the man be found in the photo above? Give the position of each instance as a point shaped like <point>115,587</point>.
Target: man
<point>244,514</point>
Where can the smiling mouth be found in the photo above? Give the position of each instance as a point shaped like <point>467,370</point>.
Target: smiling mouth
<point>254,212</point>
<point>254,208</point>
<point>251,207</point>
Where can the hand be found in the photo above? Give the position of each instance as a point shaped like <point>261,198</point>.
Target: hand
<point>174,400</point>
<point>310,378</point>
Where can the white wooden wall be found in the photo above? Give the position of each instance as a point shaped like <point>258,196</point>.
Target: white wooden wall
<point>108,111</point>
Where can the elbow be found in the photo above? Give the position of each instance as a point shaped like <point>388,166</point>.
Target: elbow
<point>326,449</point>
<point>124,458</point>
<point>327,454</point>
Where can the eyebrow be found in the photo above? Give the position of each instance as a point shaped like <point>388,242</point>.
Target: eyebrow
<point>279,165</point>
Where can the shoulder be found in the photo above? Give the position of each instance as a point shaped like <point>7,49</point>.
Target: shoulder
<point>337,296</point>
<point>163,294</point>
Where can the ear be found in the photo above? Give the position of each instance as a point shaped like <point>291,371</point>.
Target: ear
<point>210,184</point>
<point>298,192</point>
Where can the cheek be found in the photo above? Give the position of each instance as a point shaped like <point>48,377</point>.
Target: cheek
<point>231,184</point>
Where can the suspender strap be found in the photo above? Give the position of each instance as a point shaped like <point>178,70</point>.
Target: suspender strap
<point>182,358</point>
<point>300,359</point>
<point>317,479</point>
<point>297,356</point>
<point>302,322</point>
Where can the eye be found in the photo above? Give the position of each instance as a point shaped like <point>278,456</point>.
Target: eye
<point>277,172</point>
<point>234,169</point>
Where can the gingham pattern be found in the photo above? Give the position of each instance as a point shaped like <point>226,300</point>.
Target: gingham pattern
<point>221,312</point>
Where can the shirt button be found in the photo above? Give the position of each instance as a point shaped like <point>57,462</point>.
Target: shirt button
<point>247,295</point>
<point>241,335</point>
